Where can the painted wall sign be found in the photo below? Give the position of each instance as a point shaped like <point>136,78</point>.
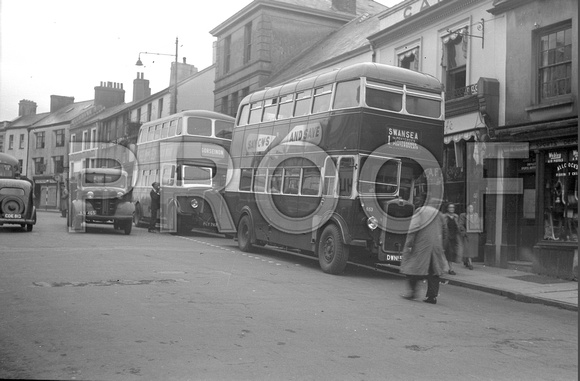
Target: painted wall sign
<point>409,9</point>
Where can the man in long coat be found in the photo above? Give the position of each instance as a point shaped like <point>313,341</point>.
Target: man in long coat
<point>423,254</point>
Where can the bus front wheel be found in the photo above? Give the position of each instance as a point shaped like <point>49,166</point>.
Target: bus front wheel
<point>245,234</point>
<point>332,253</point>
<point>138,216</point>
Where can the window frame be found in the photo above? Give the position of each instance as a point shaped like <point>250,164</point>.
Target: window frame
<point>565,26</point>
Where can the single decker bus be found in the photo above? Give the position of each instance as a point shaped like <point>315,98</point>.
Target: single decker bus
<point>336,162</point>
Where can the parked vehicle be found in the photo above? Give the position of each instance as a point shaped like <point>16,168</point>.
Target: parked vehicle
<point>16,195</point>
<point>336,162</point>
<point>103,196</point>
<point>187,154</point>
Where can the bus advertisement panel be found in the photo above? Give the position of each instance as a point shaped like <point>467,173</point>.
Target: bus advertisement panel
<point>336,162</point>
<point>187,154</point>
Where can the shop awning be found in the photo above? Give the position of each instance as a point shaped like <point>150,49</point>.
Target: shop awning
<point>463,127</point>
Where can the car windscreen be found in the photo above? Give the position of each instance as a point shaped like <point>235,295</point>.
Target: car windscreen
<point>6,171</point>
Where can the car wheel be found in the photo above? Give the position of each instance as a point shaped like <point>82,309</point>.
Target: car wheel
<point>127,228</point>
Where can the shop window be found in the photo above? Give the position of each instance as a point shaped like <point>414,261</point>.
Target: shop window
<point>561,195</point>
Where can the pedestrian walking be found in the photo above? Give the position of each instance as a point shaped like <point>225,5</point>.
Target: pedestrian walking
<point>423,255</point>
<point>155,204</point>
<point>470,224</point>
<point>452,242</point>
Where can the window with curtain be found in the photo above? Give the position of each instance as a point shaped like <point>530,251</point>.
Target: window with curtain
<point>554,61</point>
<point>454,61</point>
<point>409,59</point>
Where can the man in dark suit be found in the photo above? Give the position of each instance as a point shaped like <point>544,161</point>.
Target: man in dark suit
<point>155,203</point>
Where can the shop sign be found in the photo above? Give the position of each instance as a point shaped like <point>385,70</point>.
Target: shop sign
<point>555,157</point>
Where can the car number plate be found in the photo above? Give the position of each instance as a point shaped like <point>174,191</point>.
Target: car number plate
<point>12,215</point>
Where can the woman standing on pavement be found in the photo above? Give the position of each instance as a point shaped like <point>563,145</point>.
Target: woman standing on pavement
<point>452,243</point>
<point>470,227</point>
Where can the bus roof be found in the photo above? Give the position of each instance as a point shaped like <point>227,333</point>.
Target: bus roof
<point>8,159</point>
<point>371,70</point>
<point>199,113</point>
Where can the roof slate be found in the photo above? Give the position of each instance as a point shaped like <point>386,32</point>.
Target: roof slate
<point>27,121</point>
<point>362,6</point>
<point>65,114</point>
<point>351,37</point>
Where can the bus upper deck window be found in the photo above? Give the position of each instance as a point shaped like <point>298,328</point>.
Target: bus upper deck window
<point>150,133</point>
<point>255,112</point>
<point>198,126</point>
<point>285,109</point>
<point>423,106</point>
<point>322,99</point>
<point>383,96</point>
<point>270,106</point>
<point>244,113</point>
<point>157,132</point>
<point>164,129</point>
<point>302,106</point>
<point>223,129</point>
<point>179,127</point>
<point>347,94</point>
<point>171,131</point>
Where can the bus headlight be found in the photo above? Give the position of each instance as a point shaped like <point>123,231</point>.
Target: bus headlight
<point>194,203</point>
<point>90,194</point>
<point>372,223</point>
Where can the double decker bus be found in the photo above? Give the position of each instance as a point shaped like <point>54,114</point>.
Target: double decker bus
<point>335,162</point>
<point>187,154</point>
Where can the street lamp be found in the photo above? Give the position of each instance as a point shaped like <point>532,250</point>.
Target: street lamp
<point>174,100</point>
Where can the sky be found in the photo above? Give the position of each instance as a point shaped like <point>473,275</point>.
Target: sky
<point>67,47</point>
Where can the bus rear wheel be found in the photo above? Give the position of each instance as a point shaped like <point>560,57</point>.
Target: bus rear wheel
<point>245,229</point>
<point>332,253</point>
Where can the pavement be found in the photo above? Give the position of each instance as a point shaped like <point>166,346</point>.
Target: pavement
<point>514,284</point>
<point>517,285</point>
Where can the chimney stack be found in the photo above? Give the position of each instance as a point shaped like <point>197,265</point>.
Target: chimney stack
<point>184,70</point>
<point>109,94</point>
<point>348,6</point>
<point>26,107</point>
<point>141,89</point>
<point>59,101</point>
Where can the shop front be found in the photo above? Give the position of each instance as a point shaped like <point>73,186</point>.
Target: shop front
<point>542,221</point>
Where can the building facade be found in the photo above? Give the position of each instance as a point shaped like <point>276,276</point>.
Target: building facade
<point>265,36</point>
<point>540,224</point>
<point>511,136</point>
